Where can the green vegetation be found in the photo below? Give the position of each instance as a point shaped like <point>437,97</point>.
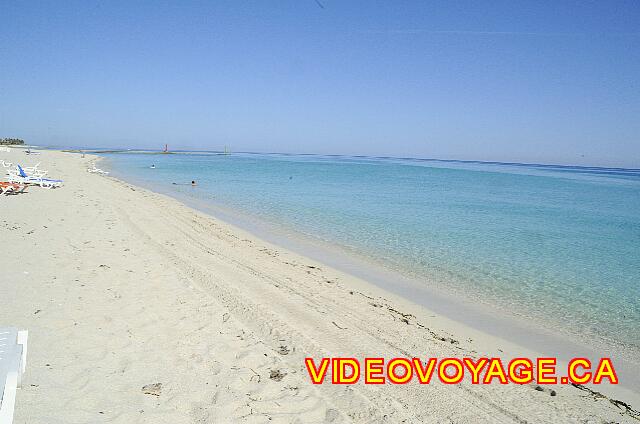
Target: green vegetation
<point>11,141</point>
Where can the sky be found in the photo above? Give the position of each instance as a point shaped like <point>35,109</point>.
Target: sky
<point>526,81</point>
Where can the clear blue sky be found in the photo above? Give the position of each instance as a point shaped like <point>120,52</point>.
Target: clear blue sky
<point>527,81</point>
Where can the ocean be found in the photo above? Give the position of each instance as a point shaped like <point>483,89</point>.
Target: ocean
<point>558,245</point>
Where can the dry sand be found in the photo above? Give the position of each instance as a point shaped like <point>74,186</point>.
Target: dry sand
<point>141,309</point>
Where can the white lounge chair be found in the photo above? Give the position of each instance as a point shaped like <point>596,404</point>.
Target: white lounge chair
<point>12,188</point>
<point>95,170</point>
<point>13,363</point>
<point>34,171</point>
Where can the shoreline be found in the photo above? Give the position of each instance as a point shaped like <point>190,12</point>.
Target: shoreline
<point>138,288</point>
<point>520,329</point>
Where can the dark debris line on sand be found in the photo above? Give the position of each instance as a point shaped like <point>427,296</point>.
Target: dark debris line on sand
<point>625,407</point>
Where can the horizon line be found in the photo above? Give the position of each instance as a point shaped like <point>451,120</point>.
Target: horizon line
<point>476,161</point>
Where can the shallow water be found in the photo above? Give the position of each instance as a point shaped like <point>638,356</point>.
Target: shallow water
<point>557,244</point>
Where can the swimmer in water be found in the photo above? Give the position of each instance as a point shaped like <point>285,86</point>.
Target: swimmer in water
<point>193,183</point>
<point>153,166</point>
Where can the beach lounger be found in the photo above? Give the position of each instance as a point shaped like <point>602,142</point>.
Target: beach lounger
<point>6,187</point>
<point>17,179</point>
<point>22,178</point>
<point>12,187</point>
<point>13,363</point>
<point>33,171</point>
<point>97,171</point>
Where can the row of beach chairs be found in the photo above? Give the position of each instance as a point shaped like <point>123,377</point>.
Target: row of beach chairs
<point>18,178</point>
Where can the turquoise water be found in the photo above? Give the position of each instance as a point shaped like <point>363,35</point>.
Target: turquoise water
<point>557,244</point>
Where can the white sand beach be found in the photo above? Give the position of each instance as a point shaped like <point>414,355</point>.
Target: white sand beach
<point>141,309</point>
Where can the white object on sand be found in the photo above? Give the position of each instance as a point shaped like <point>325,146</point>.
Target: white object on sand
<point>34,171</point>
<point>13,363</point>
<point>98,171</point>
